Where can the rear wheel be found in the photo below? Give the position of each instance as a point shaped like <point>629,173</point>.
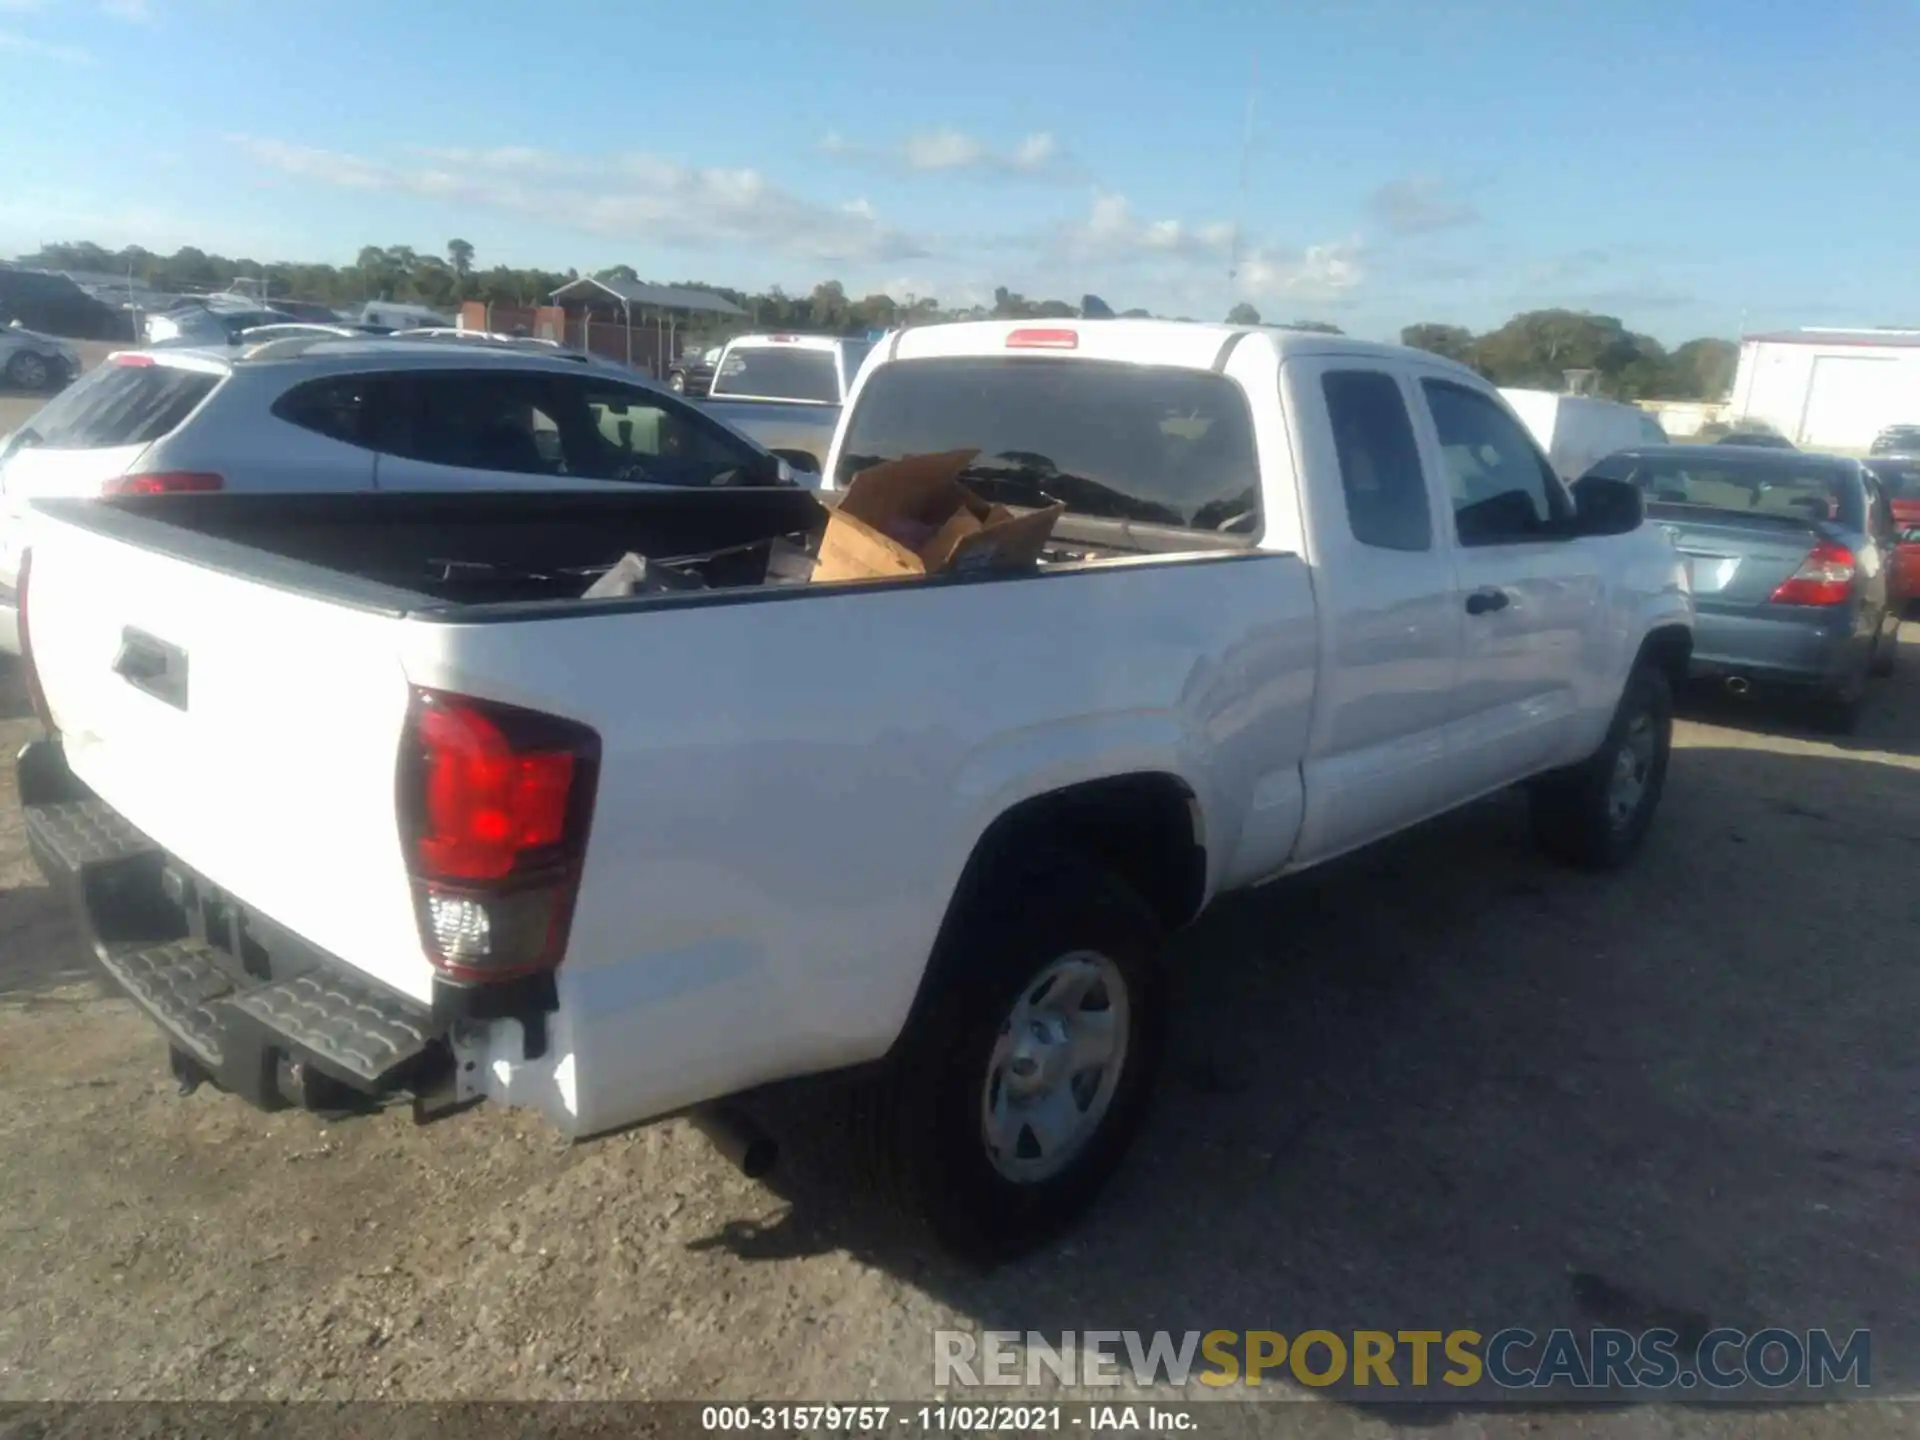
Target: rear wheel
<point>1595,814</point>
<point>677,383</point>
<point>1014,1094</point>
<point>28,371</point>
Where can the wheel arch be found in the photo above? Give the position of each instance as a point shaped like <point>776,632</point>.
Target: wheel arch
<point>1143,826</point>
<point>1669,648</point>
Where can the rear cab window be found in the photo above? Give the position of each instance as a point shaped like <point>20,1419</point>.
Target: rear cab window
<point>779,372</point>
<point>1155,445</point>
<point>127,402</point>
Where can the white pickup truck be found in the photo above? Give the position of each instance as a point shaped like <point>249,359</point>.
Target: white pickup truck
<point>357,796</point>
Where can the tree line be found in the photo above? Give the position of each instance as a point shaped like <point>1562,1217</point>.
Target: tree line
<point>1534,349</point>
<point>1537,349</point>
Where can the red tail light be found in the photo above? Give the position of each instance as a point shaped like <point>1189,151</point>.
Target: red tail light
<point>495,805</point>
<point>137,362</point>
<point>1043,340</point>
<point>1825,577</point>
<point>165,482</point>
<point>36,696</point>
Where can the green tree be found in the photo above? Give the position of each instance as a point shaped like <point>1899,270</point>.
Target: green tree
<point>1136,315</point>
<point>829,305</point>
<point>618,272</point>
<point>1092,307</point>
<point>1452,341</point>
<point>1318,327</point>
<point>460,257</point>
<point>1703,369</point>
<point>1243,314</point>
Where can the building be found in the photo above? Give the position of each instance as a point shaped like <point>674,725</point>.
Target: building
<point>1829,389</point>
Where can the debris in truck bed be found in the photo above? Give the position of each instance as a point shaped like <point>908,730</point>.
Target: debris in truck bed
<point>636,575</point>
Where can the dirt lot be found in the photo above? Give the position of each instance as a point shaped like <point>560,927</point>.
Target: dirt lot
<point>1440,1085</point>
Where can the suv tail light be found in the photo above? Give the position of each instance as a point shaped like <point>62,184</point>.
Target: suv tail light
<point>164,482</point>
<point>1825,577</point>
<point>36,696</point>
<point>495,805</point>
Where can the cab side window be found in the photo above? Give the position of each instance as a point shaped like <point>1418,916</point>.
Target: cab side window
<point>1503,490</point>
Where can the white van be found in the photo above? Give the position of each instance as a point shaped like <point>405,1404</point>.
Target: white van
<point>1577,430</point>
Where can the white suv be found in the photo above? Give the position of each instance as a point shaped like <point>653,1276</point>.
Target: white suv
<point>315,412</point>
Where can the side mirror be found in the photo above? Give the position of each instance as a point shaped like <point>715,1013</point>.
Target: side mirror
<point>1607,507</point>
<point>800,460</point>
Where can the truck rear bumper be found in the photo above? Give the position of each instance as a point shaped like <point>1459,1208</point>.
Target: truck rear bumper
<point>241,1004</point>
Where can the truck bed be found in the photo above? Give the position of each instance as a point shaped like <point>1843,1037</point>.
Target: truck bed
<point>432,553</point>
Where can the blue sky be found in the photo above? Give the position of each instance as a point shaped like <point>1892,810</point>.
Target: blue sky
<point>1449,161</point>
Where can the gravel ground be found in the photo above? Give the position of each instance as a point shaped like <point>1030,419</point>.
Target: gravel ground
<point>1439,1085</point>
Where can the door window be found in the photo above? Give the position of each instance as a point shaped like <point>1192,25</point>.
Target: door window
<point>474,420</point>
<point>1503,490</point>
<point>1386,491</point>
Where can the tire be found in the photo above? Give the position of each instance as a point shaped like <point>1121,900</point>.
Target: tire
<point>1886,654</point>
<point>1577,813</point>
<point>28,371</point>
<point>923,1124</point>
<point>1837,711</point>
<point>677,383</point>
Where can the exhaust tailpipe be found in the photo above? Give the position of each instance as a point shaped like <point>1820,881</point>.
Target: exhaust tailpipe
<point>1738,685</point>
<point>738,1138</point>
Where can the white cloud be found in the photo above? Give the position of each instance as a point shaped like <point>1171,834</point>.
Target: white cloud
<point>36,49</point>
<point>638,197</point>
<point>1180,258</point>
<point>949,151</point>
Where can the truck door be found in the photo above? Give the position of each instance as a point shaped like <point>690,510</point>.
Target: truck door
<point>1390,622</point>
<point>1532,604</point>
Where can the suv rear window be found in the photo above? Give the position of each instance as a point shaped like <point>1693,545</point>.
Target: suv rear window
<point>776,373</point>
<point>1152,444</point>
<point>122,405</point>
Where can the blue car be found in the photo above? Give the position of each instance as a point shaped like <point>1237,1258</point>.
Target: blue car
<point>1792,558</point>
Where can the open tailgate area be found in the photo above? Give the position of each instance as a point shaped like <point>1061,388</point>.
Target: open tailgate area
<point>249,732</point>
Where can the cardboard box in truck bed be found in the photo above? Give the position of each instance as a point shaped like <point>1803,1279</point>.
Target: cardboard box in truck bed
<point>912,516</point>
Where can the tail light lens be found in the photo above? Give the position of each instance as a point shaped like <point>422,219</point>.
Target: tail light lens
<point>495,805</point>
<point>1825,577</point>
<point>36,696</point>
<point>1043,340</point>
<point>165,482</point>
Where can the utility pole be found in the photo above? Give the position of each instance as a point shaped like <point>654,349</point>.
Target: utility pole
<point>1240,199</point>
